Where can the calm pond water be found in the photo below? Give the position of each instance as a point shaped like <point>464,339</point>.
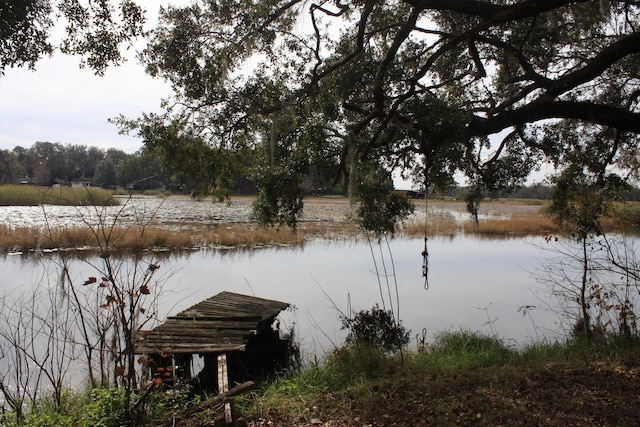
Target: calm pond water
<point>474,284</point>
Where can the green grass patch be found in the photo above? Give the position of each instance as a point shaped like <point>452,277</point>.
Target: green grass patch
<point>464,349</point>
<point>26,195</point>
<point>101,407</point>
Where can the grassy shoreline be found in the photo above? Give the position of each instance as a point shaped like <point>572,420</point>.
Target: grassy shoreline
<point>462,378</point>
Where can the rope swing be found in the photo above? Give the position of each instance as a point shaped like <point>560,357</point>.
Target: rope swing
<point>425,252</point>
<point>425,265</point>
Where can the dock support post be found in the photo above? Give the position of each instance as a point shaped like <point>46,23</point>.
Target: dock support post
<point>223,385</point>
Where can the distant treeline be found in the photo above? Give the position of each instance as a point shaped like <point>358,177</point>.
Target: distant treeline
<point>535,191</point>
<point>47,163</point>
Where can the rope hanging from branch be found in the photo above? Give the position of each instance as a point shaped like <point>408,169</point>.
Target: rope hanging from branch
<point>425,251</point>
<point>425,265</point>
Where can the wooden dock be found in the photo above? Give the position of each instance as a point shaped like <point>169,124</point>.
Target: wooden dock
<point>226,330</point>
<point>223,323</point>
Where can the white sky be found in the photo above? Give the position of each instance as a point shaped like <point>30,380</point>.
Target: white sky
<point>61,103</point>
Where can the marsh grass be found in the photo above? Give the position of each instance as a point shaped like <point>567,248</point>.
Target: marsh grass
<point>436,225</point>
<point>125,239</point>
<point>519,224</point>
<point>530,223</point>
<point>137,238</point>
<point>19,238</point>
<point>27,195</point>
<point>327,222</point>
<point>251,235</point>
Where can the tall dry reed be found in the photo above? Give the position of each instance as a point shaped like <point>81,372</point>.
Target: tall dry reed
<point>252,235</point>
<point>521,224</point>
<point>125,239</point>
<point>501,221</point>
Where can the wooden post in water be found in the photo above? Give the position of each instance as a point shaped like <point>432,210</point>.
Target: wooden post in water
<point>223,385</point>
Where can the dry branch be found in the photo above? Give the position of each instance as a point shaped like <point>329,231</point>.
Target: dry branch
<point>220,398</point>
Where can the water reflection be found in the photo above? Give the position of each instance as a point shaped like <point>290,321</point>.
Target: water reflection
<point>475,284</point>
<point>472,282</point>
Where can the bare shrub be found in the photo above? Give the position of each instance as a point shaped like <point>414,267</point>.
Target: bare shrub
<point>597,283</point>
<point>37,344</point>
<point>98,315</point>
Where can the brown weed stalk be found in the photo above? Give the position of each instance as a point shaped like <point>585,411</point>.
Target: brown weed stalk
<point>436,225</point>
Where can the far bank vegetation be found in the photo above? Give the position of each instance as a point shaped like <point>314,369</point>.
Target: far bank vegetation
<point>504,218</point>
<point>30,195</point>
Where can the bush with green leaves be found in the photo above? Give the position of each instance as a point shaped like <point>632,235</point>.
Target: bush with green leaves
<point>376,327</point>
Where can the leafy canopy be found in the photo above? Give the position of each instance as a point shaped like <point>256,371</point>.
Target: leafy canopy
<point>434,88</point>
<point>94,29</point>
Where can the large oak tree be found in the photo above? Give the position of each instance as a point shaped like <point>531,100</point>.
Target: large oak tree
<point>490,89</point>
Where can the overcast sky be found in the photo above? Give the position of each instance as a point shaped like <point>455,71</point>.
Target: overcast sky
<point>61,103</point>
